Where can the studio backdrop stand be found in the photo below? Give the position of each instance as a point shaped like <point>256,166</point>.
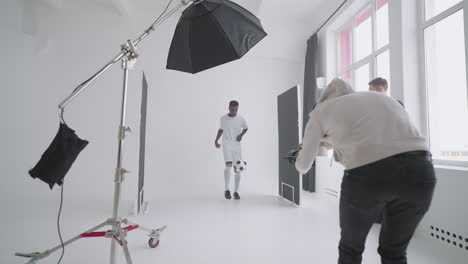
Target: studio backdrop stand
<point>117,232</point>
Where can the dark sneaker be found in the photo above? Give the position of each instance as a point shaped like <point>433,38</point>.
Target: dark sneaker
<point>227,194</point>
<point>236,196</point>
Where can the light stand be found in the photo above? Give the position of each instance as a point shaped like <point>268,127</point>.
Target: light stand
<point>117,233</point>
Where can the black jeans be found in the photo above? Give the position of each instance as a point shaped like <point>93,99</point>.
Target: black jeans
<point>402,184</point>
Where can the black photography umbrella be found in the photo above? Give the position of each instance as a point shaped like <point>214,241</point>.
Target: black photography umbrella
<point>59,156</point>
<point>210,33</point>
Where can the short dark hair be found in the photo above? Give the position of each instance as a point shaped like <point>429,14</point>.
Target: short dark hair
<point>379,81</point>
<point>233,103</point>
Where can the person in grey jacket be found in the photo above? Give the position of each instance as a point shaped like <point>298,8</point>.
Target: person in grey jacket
<point>387,165</point>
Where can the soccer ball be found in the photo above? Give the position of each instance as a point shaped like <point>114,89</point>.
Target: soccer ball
<point>240,166</point>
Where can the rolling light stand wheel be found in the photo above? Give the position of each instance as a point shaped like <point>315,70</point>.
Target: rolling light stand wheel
<point>153,243</point>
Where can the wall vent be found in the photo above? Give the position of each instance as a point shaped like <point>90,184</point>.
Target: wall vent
<point>454,239</point>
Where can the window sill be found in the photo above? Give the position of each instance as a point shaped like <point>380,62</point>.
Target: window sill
<point>451,165</point>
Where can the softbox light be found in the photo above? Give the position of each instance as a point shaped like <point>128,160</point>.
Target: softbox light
<point>210,33</point>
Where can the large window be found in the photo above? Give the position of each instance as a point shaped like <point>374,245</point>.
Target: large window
<point>363,46</point>
<point>445,74</point>
<point>363,35</point>
<point>362,77</point>
<point>435,7</point>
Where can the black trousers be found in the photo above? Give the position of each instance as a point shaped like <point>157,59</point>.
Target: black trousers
<point>402,184</point>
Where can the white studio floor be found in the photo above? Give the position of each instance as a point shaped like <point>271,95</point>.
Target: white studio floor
<point>256,229</point>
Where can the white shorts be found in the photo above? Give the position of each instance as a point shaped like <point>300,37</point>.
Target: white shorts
<point>231,155</point>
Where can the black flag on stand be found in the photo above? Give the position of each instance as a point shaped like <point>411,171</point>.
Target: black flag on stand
<point>59,156</point>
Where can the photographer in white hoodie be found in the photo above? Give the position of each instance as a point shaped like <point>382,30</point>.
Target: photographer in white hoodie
<point>387,165</point>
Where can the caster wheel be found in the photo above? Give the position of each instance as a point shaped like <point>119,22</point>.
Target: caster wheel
<point>153,242</point>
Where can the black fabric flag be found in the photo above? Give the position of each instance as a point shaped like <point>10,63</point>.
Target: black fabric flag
<point>59,156</point>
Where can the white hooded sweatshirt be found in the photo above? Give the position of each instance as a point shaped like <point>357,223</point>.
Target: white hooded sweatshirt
<point>363,127</point>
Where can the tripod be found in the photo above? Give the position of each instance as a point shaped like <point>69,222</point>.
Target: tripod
<point>117,233</point>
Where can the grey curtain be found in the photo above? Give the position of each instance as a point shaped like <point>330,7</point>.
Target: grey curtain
<point>310,98</point>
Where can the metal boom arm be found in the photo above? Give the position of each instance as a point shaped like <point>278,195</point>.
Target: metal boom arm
<point>128,48</point>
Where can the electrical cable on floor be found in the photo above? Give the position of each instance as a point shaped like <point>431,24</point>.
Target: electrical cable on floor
<point>58,223</point>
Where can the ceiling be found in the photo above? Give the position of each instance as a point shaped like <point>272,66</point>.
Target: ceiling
<point>300,10</point>
<point>289,22</point>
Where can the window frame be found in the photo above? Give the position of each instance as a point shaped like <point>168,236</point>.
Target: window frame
<point>372,57</point>
<point>423,25</point>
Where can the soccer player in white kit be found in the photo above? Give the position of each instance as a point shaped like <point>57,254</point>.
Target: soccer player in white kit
<point>232,127</point>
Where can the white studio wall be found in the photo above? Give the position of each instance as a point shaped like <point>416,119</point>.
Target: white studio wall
<point>71,42</point>
<point>444,226</point>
